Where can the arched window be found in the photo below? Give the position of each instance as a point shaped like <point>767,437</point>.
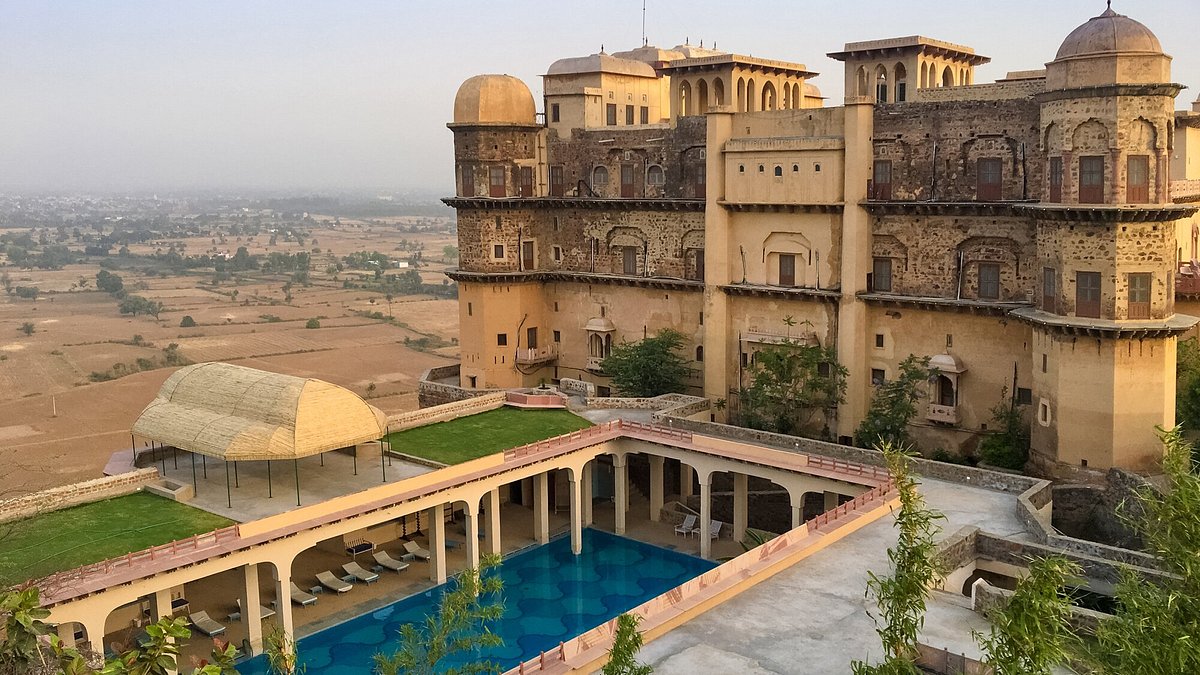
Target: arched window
<point>741,95</point>
<point>654,175</point>
<point>685,99</point>
<point>778,171</point>
<point>761,168</point>
<point>599,177</point>
<point>924,76</point>
<point>797,101</point>
<point>881,84</point>
<point>795,168</point>
<point>741,168</point>
<point>701,97</point>
<point>700,353</point>
<point>769,99</point>
<point>718,92</point>
<point>751,100</point>
<point>900,77</point>
<point>861,79</point>
<point>947,77</point>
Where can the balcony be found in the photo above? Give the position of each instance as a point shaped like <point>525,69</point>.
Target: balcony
<point>533,357</point>
<point>595,364</point>
<point>943,414</point>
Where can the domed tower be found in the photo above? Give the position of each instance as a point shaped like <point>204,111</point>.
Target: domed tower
<point>495,128</point>
<point>499,162</point>
<point>1105,325</point>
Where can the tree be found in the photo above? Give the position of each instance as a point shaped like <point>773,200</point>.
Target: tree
<point>901,597</point>
<point>280,649</point>
<point>27,292</point>
<point>1187,384</point>
<point>187,322</point>
<point>1030,634</point>
<point>894,405</point>
<point>789,384</point>
<point>27,328</point>
<point>313,323</point>
<point>450,252</point>
<point>627,641</point>
<point>23,626</point>
<point>458,629</point>
<point>136,304</point>
<point>110,283</point>
<point>1008,447</point>
<point>1154,629</point>
<point>649,367</point>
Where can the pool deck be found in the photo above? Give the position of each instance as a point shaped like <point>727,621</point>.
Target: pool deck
<point>812,618</point>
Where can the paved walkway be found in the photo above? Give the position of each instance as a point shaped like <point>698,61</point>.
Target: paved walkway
<point>812,618</point>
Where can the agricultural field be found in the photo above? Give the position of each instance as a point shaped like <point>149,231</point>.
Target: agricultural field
<point>75,371</point>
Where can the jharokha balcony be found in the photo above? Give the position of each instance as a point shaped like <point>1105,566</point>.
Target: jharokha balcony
<point>1187,282</point>
<point>530,357</point>
<point>945,414</point>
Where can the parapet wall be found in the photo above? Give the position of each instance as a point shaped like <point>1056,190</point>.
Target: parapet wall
<point>75,494</point>
<point>446,411</point>
<point>997,91</point>
<point>432,392</point>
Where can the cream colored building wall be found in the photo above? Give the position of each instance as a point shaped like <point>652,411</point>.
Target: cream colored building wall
<point>991,349</point>
<point>486,310</point>
<point>753,319</point>
<point>811,237</point>
<point>634,312</point>
<point>583,99</point>
<point>811,171</point>
<point>1185,160</point>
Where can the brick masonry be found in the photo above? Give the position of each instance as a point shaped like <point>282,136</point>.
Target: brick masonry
<point>74,494</point>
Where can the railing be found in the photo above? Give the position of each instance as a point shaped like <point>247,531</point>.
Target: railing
<point>595,364</point>
<point>946,414</point>
<point>1187,283</point>
<point>763,337</point>
<point>833,515</point>
<point>539,355</point>
<point>197,542</point>
<point>845,467</point>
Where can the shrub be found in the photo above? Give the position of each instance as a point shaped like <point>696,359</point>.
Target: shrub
<point>187,322</point>
<point>1008,448</point>
<point>313,323</point>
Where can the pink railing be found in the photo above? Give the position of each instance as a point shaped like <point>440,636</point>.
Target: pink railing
<point>197,542</point>
<point>843,466</point>
<point>835,514</point>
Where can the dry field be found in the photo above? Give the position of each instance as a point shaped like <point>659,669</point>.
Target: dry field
<point>60,426</point>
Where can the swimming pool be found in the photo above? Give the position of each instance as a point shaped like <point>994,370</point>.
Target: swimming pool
<point>550,596</point>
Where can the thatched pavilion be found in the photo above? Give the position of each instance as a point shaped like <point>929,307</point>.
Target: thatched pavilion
<point>238,414</point>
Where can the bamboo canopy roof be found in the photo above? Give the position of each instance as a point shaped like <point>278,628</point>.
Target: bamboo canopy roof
<point>237,413</point>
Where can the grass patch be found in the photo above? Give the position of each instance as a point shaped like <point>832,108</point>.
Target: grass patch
<point>484,433</point>
<point>63,540</point>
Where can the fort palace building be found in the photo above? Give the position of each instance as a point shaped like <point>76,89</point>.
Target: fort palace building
<point>1035,235</point>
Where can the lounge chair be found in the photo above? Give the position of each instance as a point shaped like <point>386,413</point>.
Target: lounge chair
<point>714,529</point>
<point>205,624</point>
<point>388,562</point>
<point>333,583</point>
<point>302,598</point>
<point>266,612</point>
<point>687,527</point>
<point>413,549</point>
<point>355,570</point>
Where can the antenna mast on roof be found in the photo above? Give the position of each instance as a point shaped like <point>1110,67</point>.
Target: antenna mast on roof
<point>644,41</point>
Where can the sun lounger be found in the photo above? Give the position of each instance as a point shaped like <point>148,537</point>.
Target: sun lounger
<point>687,527</point>
<point>355,570</point>
<point>411,548</point>
<point>333,583</point>
<point>266,612</point>
<point>302,598</point>
<point>714,529</point>
<point>388,562</point>
<point>205,624</point>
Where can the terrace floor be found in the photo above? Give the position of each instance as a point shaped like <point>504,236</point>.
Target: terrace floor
<point>484,433</point>
<point>815,612</point>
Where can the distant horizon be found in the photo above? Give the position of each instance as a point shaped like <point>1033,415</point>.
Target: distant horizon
<point>133,96</point>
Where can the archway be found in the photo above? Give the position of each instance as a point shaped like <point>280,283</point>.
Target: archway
<point>861,80</point>
<point>701,97</point>
<point>901,79</point>
<point>741,95</point>
<point>947,77</point>
<point>769,97</point>
<point>685,98</point>
<point>718,91</point>
<point>881,84</point>
<point>751,98</point>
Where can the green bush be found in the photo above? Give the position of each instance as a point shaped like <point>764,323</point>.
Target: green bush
<point>1008,448</point>
<point>187,322</point>
<point>313,323</point>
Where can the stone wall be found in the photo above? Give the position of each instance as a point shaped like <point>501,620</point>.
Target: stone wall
<point>1096,513</point>
<point>431,393</point>
<point>75,494</point>
<point>985,598</point>
<point>995,91</point>
<point>577,387</point>
<point>447,411</point>
<point>963,131</point>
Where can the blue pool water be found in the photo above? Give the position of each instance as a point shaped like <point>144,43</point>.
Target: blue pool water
<point>549,594</point>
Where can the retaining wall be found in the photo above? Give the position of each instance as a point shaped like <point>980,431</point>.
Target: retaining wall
<point>446,411</point>
<point>77,493</point>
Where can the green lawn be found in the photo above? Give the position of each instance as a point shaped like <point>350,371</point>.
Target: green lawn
<point>62,540</point>
<point>484,433</point>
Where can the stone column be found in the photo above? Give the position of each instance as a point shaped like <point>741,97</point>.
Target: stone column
<point>541,508</point>
<point>586,493</point>
<point>576,513</point>
<point>491,511</point>
<point>686,481</point>
<point>831,501</point>
<point>472,530</point>
<point>436,516</point>
<point>797,514</point>
<point>252,607</point>
<point>160,607</point>
<point>656,488</point>
<point>741,505</point>
<point>283,597</point>
<point>705,515</point>
<point>620,492</point>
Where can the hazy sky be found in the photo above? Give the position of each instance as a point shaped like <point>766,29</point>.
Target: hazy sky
<point>123,95</point>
